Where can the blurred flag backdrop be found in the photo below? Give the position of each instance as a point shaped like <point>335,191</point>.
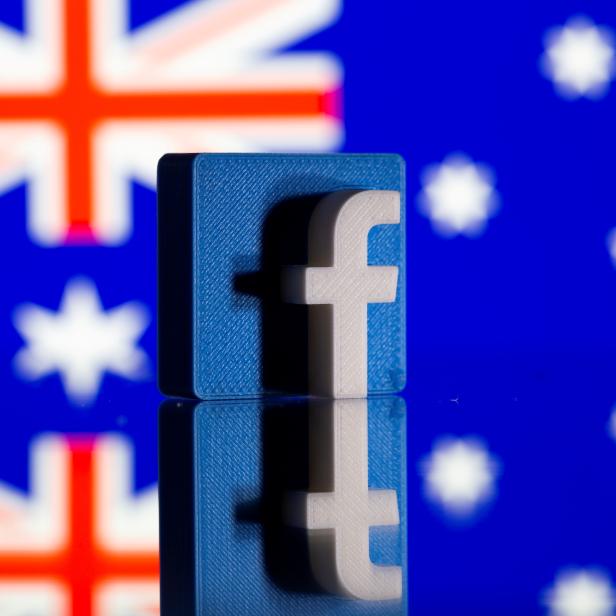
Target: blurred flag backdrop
<point>505,114</point>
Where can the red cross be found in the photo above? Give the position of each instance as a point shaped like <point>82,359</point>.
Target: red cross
<point>82,564</point>
<point>78,105</point>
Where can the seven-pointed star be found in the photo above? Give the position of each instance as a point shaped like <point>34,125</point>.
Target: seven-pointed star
<point>81,341</point>
<point>581,593</point>
<point>459,475</point>
<point>579,59</point>
<point>458,196</point>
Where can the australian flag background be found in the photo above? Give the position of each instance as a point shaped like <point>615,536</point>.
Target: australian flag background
<point>504,112</point>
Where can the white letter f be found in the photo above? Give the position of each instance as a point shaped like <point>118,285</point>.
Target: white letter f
<point>338,285</point>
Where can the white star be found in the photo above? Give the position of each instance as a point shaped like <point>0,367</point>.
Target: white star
<point>581,593</point>
<point>459,475</point>
<point>611,426</point>
<point>611,245</point>
<point>458,196</point>
<point>579,58</point>
<point>81,341</point>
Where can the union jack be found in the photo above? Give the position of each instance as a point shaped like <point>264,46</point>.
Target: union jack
<point>86,104</point>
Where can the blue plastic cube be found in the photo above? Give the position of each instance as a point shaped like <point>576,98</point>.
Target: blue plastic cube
<point>228,224</point>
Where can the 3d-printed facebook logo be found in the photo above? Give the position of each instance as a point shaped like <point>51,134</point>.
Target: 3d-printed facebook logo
<point>230,226</point>
<point>283,274</point>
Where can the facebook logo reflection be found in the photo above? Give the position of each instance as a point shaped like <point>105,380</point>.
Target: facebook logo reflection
<point>283,508</point>
<point>339,509</point>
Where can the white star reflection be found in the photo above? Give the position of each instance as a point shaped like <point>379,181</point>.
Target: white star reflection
<point>459,475</point>
<point>581,592</point>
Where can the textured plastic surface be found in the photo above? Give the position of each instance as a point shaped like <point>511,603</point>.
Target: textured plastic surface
<point>339,285</point>
<point>235,221</point>
<point>225,471</point>
<point>340,507</point>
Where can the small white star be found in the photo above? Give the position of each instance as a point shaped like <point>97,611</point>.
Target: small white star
<point>581,592</point>
<point>458,196</point>
<point>459,475</point>
<point>579,58</point>
<point>81,341</point>
<point>611,425</point>
<point>611,245</point>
